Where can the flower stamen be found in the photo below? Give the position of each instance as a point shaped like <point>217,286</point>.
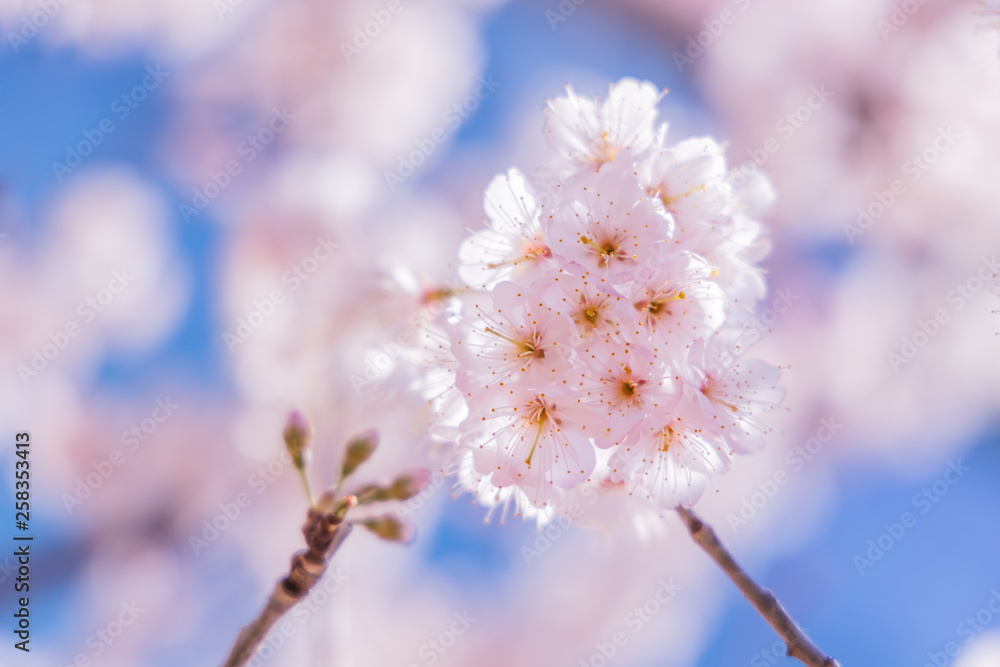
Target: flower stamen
<point>670,199</point>
<point>542,418</point>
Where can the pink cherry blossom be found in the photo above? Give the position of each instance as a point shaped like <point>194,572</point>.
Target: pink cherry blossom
<point>586,134</point>
<point>513,335</point>
<point>513,237</point>
<point>535,440</point>
<point>676,304</point>
<point>667,459</point>
<point>593,347</point>
<point>609,226</point>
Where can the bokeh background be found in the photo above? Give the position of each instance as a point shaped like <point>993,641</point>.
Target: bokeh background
<point>165,167</point>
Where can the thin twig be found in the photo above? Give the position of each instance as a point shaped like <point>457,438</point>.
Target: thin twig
<point>324,533</point>
<point>799,645</point>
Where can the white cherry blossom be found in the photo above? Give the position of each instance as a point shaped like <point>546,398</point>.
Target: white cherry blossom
<point>587,134</point>
<point>512,242</point>
<point>593,346</point>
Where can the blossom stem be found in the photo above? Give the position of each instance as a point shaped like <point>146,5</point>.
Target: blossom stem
<point>308,486</point>
<point>799,645</point>
<point>324,533</point>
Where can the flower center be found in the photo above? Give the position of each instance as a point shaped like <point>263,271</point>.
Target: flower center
<point>629,388</point>
<point>529,347</point>
<point>708,391</point>
<point>605,153</point>
<point>532,349</point>
<point>667,436</point>
<point>658,306</point>
<point>606,248</point>
<point>536,249</point>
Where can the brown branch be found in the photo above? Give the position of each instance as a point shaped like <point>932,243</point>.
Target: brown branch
<point>799,645</point>
<point>324,533</point>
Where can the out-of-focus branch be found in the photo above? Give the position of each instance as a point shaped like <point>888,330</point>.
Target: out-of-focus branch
<point>799,645</point>
<point>325,528</point>
<point>324,533</point>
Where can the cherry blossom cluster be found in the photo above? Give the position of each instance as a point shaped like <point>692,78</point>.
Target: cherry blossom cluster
<point>595,339</point>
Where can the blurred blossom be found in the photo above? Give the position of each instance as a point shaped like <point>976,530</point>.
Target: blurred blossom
<point>367,93</point>
<point>112,28</point>
<point>105,280</point>
<point>294,338</point>
<point>109,228</point>
<point>868,105</point>
<point>983,651</point>
<point>884,100</point>
<point>683,16</point>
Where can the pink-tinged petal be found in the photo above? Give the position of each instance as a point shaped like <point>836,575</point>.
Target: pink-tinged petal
<point>513,243</point>
<point>610,228</point>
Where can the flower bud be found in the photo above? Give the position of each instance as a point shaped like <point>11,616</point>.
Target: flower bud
<point>409,484</point>
<point>359,449</point>
<point>403,487</point>
<point>390,528</point>
<point>328,503</point>
<point>371,493</point>
<point>343,505</point>
<point>298,433</point>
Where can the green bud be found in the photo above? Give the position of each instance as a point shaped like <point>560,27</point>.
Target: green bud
<point>403,487</point>
<point>298,433</point>
<point>328,503</point>
<point>359,449</point>
<point>391,528</point>
<point>343,505</point>
<point>409,484</point>
<point>371,493</point>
